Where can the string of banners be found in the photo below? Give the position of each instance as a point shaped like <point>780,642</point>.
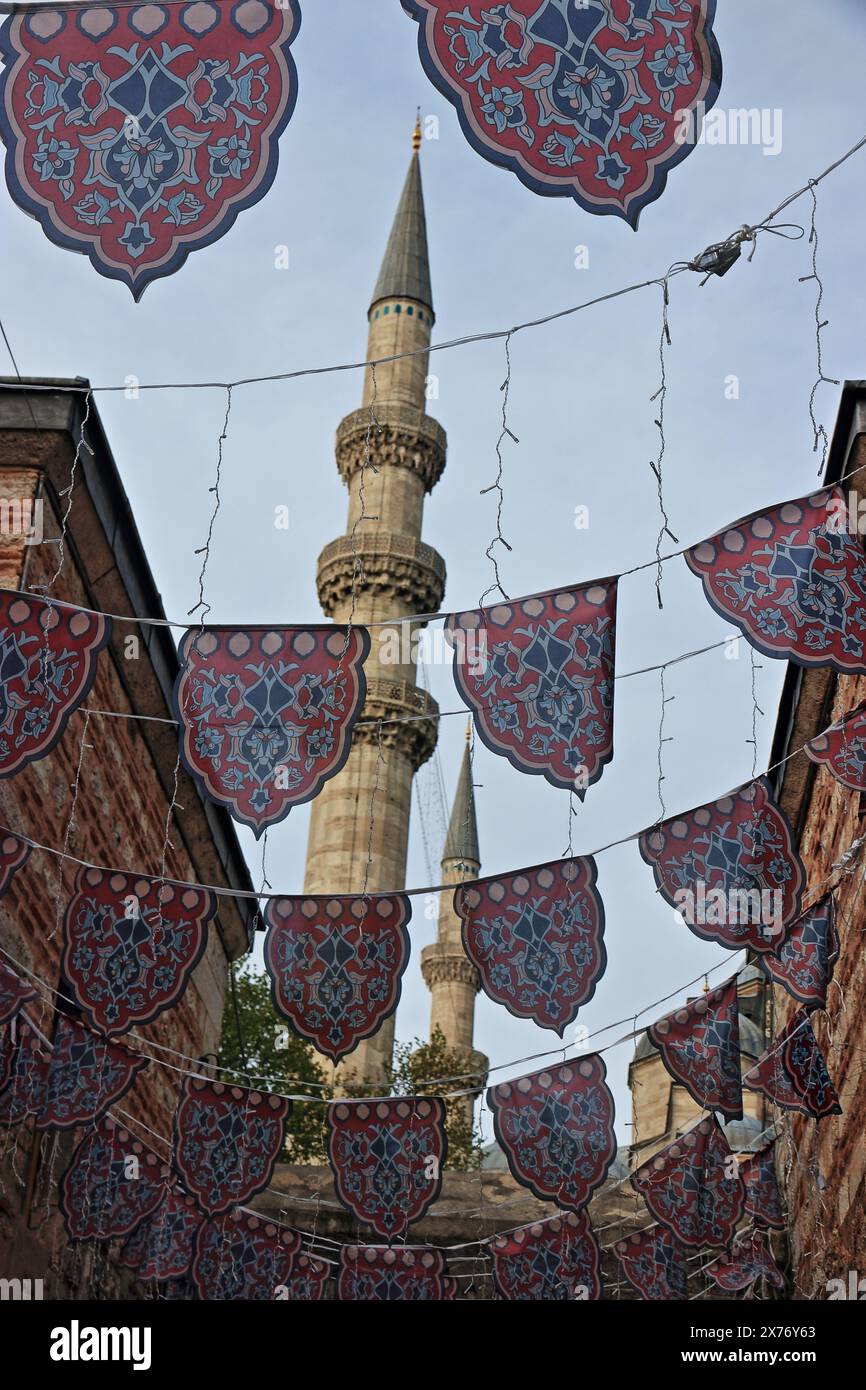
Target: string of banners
<point>136,133</point>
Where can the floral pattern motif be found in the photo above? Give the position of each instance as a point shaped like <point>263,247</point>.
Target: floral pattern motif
<point>793,1073</point>
<point>700,1047</point>
<point>842,748</point>
<point>112,1183</point>
<point>226,1141</point>
<point>392,1274</point>
<point>137,133</point>
<point>654,1264</point>
<point>48,658</point>
<point>726,863</point>
<point>591,99</point>
<point>538,675</point>
<point>86,1075</point>
<point>536,939</point>
<point>793,580</point>
<point>13,993</point>
<point>749,1259</point>
<point>241,1257</point>
<point>23,1070</point>
<point>336,965</point>
<point>552,1261</point>
<point>687,1188</point>
<point>804,962</point>
<point>266,714</point>
<point>162,1246</point>
<point>387,1158</point>
<point>130,945</point>
<point>763,1198</point>
<point>556,1130</point>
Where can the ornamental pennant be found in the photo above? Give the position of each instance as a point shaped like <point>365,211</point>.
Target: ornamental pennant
<point>136,133</point>
<point>551,1261</point>
<point>749,1259</point>
<point>842,748</point>
<point>596,100</point>
<point>25,1068</point>
<point>226,1141</point>
<point>687,1186</point>
<point>793,1073</point>
<point>700,1047</point>
<point>48,655</point>
<point>556,1130</point>
<point>538,676</point>
<point>130,945</point>
<point>793,580</point>
<point>162,1246</point>
<point>387,1158</point>
<point>13,993</point>
<point>13,854</point>
<point>804,962</point>
<point>266,714</point>
<point>392,1274</point>
<point>536,939</point>
<point>86,1075</point>
<point>112,1183</point>
<point>336,965</point>
<point>241,1257</point>
<point>763,1199</point>
<point>654,1264</point>
<point>730,868</point>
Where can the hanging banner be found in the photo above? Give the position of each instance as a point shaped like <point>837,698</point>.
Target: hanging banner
<point>555,1128</point>
<point>162,1246</point>
<point>393,1274</point>
<point>266,714</point>
<point>538,676</point>
<point>551,1261</point>
<point>763,1199</point>
<point>13,854</point>
<point>86,1075</point>
<point>137,133</point>
<point>803,964</point>
<point>654,1264</point>
<point>536,939</point>
<point>596,100</point>
<point>112,1183</point>
<point>687,1188</point>
<point>337,965</point>
<point>749,1259</point>
<point>387,1158</point>
<point>793,1073</point>
<point>13,993</point>
<point>226,1141</point>
<point>730,868</point>
<point>48,658</point>
<point>699,1045</point>
<point>25,1067</point>
<point>130,946</point>
<point>793,580</point>
<point>241,1257</point>
<point>842,748</point>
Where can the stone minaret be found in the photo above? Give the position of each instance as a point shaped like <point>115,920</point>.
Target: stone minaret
<point>448,973</point>
<point>390,453</point>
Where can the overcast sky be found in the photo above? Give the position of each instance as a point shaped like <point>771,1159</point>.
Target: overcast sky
<point>579,404</point>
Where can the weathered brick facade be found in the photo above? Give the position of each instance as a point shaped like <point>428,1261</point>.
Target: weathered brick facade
<point>125,773</point>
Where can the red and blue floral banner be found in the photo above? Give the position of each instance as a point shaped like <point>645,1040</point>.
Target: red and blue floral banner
<point>654,1264</point>
<point>538,676</point>
<point>130,945</point>
<point>793,1074</point>
<point>13,993</point>
<point>597,100</point>
<point>687,1186</point>
<point>226,1141</point>
<point>700,1047</point>
<point>842,749</point>
<point>162,1246</point>
<point>241,1257</point>
<point>555,1128</point>
<point>113,1182</point>
<point>804,963</point>
<point>336,965</point>
<point>748,1260</point>
<point>266,714</point>
<point>24,1057</point>
<point>136,133</point>
<point>86,1075</point>
<point>387,1158</point>
<point>536,937</point>
<point>393,1274</point>
<point>551,1261</point>
<point>792,578</point>
<point>763,1199</point>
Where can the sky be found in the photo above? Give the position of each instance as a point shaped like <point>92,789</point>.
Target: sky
<point>579,404</point>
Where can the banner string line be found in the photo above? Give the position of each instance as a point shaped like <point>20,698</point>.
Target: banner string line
<point>748,232</point>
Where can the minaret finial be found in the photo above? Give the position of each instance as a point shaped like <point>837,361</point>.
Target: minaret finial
<point>416,134</point>
<point>469,729</point>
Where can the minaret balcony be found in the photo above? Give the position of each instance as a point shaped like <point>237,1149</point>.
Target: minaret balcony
<point>392,436</point>
<point>378,563</point>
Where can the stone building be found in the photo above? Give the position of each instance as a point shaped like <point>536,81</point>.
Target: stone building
<point>104,794</point>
